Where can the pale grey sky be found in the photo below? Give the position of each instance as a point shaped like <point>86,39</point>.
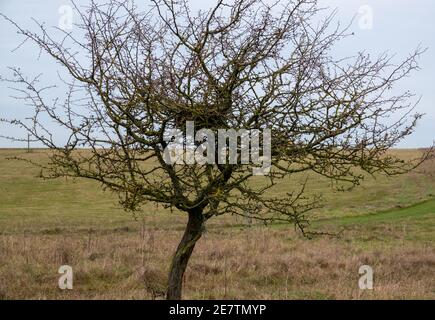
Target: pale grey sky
<point>396,26</point>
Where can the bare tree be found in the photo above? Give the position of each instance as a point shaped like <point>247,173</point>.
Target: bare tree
<point>243,64</point>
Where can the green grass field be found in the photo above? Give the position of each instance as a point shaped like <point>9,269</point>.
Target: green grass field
<point>388,223</point>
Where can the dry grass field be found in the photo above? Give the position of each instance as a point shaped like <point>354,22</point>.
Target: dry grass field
<point>388,224</point>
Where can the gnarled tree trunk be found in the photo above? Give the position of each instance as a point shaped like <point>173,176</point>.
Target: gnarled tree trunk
<point>191,235</point>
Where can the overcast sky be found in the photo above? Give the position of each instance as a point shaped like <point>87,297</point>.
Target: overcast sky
<point>396,26</point>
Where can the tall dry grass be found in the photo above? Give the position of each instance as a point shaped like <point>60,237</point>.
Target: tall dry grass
<point>251,263</point>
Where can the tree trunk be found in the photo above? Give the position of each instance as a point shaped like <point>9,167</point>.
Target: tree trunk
<point>191,235</point>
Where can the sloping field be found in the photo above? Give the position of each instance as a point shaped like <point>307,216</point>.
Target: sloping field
<point>386,223</point>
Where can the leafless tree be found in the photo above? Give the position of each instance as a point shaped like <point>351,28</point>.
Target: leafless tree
<point>250,64</point>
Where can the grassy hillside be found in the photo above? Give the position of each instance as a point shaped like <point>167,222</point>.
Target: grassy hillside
<point>388,223</point>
